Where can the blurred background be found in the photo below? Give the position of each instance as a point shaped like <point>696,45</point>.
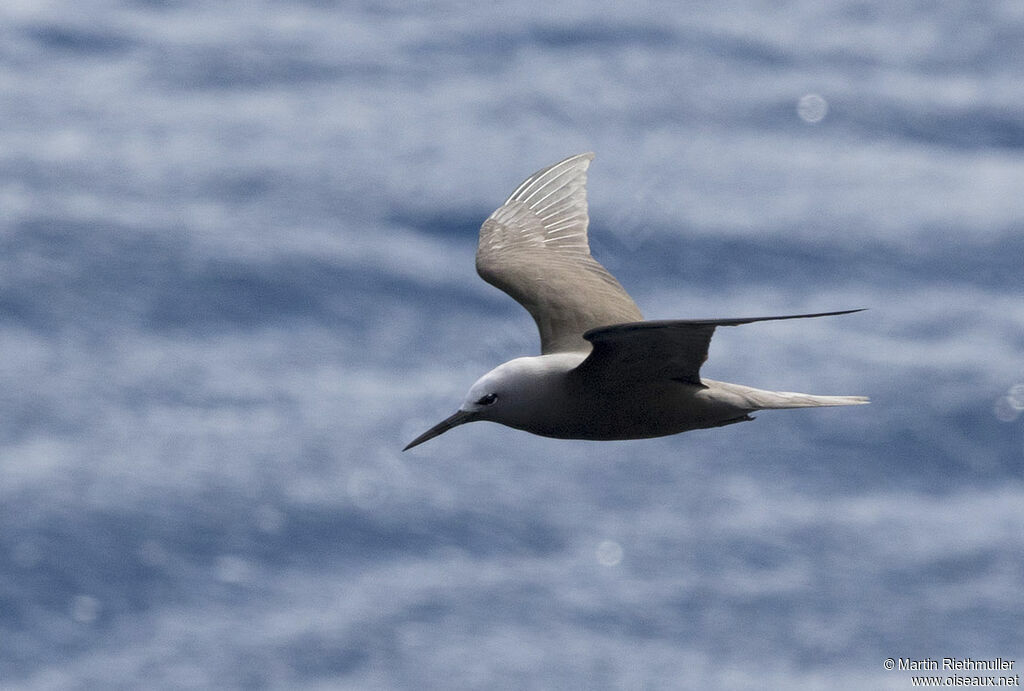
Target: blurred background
<point>236,278</point>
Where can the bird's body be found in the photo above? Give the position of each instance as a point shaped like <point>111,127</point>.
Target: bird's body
<point>553,400</point>
<point>564,406</point>
<point>603,373</point>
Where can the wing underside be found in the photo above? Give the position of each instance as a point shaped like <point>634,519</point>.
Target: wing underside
<point>535,248</point>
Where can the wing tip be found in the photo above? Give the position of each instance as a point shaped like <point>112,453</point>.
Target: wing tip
<point>750,320</point>
<point>662,323</point>
<point>575,165</point>
<point>581,159</point>
<point>588,155</point>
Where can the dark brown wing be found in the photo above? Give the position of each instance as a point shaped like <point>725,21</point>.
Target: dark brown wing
<point>659,350</point>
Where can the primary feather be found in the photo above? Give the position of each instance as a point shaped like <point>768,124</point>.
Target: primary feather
<point>535,248</point>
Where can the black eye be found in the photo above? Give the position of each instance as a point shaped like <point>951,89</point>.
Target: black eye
<point>487,399</point>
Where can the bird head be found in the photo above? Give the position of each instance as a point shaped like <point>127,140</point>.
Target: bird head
<point>483,402</point>
<point>512,394</point>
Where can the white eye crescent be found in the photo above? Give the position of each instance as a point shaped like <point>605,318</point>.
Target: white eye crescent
<point>487,399</point>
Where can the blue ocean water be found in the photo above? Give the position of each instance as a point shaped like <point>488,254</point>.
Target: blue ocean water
<point>236,278</point>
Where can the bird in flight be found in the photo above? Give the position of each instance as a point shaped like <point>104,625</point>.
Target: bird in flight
<point>603,373</point>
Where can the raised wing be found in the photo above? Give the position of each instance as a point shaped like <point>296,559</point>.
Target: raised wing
<point>535,248</point>
<point>658,350</point>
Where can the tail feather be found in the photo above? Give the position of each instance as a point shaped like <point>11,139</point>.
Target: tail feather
<point>788,399</point>
<point>750,399</point>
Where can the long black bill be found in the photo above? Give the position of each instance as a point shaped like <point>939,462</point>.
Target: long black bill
<point>460,417</point>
